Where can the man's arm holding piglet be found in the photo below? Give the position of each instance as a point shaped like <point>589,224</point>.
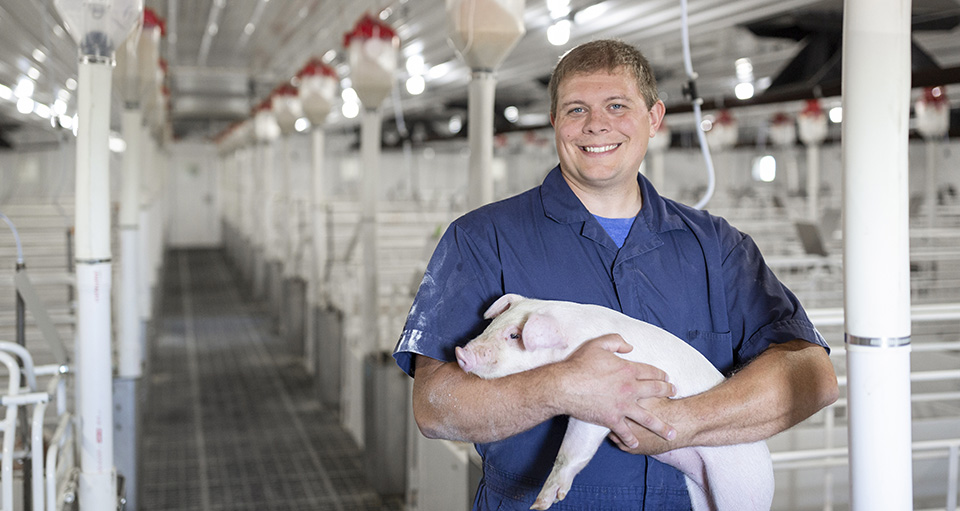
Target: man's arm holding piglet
<point>784,385</point>
<point>451,404</point>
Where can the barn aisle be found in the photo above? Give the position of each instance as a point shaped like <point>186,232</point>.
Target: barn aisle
<point>231,421</point>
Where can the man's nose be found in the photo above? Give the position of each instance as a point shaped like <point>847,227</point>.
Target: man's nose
<point>596,122</point>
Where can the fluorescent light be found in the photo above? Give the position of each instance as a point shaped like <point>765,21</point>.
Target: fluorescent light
<point>765,168</point>
<point>5,92</point>
<point>836,115</point>
<point>415,64</point>
<point>416,85</point>
<point>71,84</point>
<point>39,56</point>
<point>350,109</point>
<point>743,90</point>
<point>348,95</point>
<point>590,13</point>
<point>116,143</point>
<point>512,113</point>
<point>302,124</point>
<point>25,105</point>
<point>42,110</point>
<point>24,88</point>
<point>559,33</point>
<point>455,124</point>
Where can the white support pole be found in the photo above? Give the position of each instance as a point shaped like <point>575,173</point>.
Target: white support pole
<point>370,156</point>
<point>480,107</point>
<point>129,348</point>
<point>876,110</point>
<point>287,208</point>
<point>147,227</point>
<point>318,261</point>
<point>813,182</point>
<point>94,371</point>
<point>131,336</point>
<point>271,250</point>
<point>319,216</point>
<point>930,181</point>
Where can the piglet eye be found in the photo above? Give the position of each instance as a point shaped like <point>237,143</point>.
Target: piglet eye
<point>514,336</point>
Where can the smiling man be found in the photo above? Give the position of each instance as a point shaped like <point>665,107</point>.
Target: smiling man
<point>597,232</point>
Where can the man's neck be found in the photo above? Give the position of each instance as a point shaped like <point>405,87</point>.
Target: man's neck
<point>615,202</point>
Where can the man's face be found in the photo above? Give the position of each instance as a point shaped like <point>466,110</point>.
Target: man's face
<point>602,127</point>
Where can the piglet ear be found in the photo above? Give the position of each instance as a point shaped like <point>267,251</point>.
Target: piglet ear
<point>503,303</point>
<point>542,331</point>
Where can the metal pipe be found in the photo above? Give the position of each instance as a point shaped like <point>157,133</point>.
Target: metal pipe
<point>319,196</point>
<point>876,96</point>
<point>94,366</point>
<point>930,181</point>
<point>370,155</point>
<point>952,473</point>
<point>129,348</point>
<point>481,92</point>
<point>813,181</point>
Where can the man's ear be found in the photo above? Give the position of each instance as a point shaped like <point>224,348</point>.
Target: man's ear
<point>656,117</point>
<point>542,331</point>
<point>503,303</point>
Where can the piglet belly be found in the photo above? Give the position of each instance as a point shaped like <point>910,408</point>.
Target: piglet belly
<point>732,477</point>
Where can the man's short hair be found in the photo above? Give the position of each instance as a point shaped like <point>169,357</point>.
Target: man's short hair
<point>604,55</point>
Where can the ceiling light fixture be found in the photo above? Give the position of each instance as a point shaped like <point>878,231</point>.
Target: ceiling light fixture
<point>559,33</point>
<point>24,88</point>
<point>416,85</point>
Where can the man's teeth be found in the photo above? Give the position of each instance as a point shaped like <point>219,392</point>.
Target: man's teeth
<point>600,149</point>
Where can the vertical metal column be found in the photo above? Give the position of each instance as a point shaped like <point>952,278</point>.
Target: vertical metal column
<point>370,154</point>
<point>876,110</point>
<point>483,86</point>
<point>131,335</point>
<point>94,365</point>
<point>318,219</point>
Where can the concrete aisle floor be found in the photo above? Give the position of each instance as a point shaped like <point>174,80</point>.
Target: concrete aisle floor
<point>231,420</point>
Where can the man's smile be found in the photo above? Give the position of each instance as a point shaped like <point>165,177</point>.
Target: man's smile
<point>600,148</point>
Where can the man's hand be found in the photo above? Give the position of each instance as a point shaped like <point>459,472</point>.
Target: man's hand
<point>596,386</point>
<point>782,386</point>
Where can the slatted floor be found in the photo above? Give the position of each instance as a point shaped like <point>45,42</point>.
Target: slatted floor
<point>231,421</point>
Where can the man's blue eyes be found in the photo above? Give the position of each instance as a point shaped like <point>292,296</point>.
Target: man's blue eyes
<point>580,110</point>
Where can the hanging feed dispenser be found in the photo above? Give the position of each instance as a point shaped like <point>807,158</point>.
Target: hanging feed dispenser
<point>265,127</point>
<point>812,123</point>
<point>286,108</point>
<point>484,31</point>
<point>318,90</point>
<point>725,132</point>
<point>126,75</point>
<point>933,113</point>
<point>783,131</point>
<point>372,47</point>
<point>148,52</point>
<point>99,26</point>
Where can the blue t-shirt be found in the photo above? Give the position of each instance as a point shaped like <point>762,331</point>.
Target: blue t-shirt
<point>679,268</point>
<point>617,228</point>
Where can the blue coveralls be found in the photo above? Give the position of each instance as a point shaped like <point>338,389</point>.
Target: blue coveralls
<point>679,268</point>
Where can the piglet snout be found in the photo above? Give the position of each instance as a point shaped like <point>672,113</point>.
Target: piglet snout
<point>466,359</point>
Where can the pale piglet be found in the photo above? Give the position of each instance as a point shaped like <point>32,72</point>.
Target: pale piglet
<point>527,333</point>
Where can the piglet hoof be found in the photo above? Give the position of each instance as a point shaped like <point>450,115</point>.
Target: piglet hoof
<point>551,492</point>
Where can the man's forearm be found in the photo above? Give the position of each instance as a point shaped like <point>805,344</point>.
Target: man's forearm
<point>454,405</point>
<point>451,404</point>
<point>781,387</point>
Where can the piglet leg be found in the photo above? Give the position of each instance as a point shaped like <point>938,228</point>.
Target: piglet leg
<point>580,443</point>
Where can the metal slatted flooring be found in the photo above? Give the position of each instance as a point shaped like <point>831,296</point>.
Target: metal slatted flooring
<point>231,420</point>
